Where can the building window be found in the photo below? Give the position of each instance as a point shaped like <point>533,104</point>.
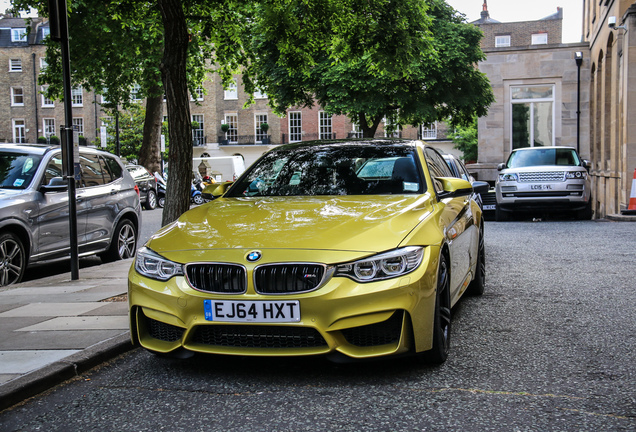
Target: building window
<point>198,138</point>
<point>231,92</point>
<point>45,32</point>
<point>43,64</point>
<point>356,132</point>
<point>232,133</point>
<point>134,93</point>
<point>532,116</point>
<point>429,131</point>
<point>18,35</point>
<point>325,125</point>
<point>259,119</point>
<point>46,102</point>
<point>391,130</point>
<point>15,65</point>
<point>77,97</point>
<point>78,125</point>
<point>17,96</point>
<point>49,127</point>
<point>19,131</point>
<point>502,41</point>
<point>198,94</point>
<point>295,126</point>
<point>258,94</point>
<point>539,39</point>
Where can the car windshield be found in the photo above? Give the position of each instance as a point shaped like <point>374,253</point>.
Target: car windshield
<point>333,170</point>
<point>543,156</point>
<point>17,169</point>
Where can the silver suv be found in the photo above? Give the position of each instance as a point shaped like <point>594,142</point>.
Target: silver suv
<point>34,211</point>
<point>543,178</point>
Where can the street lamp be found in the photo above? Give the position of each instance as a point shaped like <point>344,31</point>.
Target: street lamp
<point>578,58</point>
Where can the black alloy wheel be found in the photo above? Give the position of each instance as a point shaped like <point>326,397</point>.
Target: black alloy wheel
<point>12,259</point>
<point>442,320</point>
<point>478,284</point>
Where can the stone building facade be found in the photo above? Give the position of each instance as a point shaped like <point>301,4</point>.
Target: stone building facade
<point>541,91</point>
<point>612,100</point>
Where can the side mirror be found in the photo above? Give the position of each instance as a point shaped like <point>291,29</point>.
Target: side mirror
<point>587,164</point>
<point>501,166</point>
<point>56,184</point>
<point>454,187</point>
<point>215,190</point>
<point>481,187</point>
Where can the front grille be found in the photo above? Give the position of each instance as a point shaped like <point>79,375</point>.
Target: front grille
<point>258,336</point>
<point>542,176</point>
<point>217,278</point>
<point>383,333</point>
<point>288,278</point>
<point>163,331</point>
<point>489,198</point>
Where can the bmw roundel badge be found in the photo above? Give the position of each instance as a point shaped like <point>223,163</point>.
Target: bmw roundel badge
<point>254,256</point>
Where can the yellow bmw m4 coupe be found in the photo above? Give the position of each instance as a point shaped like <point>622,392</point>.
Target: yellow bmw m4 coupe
<point>352,249</point>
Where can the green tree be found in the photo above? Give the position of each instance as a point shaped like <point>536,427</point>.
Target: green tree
<point>413,62</point>
<point>466,140</point>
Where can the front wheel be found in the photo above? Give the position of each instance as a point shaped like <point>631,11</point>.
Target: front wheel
<point>586,213</point>
<point>12,259</point>
<point>124,242</point>
<point>161,202</point>
<point>442,319</point>
<point>198,199</point>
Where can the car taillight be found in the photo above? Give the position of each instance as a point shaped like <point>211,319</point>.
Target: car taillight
<point>137,190</point>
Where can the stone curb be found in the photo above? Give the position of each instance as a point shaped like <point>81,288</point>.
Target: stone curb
<point>37,381</point>
<point>620,218</point>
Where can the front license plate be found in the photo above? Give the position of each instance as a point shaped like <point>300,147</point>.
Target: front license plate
<point>490,207</point>
<point>541,187</point>
<point>252,311</point>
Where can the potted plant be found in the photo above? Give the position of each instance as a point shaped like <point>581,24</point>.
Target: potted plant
<point>264,128</point>
<point>223,139</point>
<point>41,140</point>
<point>54,139</point>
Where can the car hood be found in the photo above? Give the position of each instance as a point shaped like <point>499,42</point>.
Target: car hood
<point>351,223</point>
<point>545,168</point>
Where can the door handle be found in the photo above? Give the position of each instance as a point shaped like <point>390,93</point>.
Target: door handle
<point>113,192</point>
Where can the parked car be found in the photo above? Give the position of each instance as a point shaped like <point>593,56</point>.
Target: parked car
<point>147,184</point>
<point>34,211</point>
<point>546,179</point>
<point>161,190</point>
<point>354,249</point>
<point>459,170</point>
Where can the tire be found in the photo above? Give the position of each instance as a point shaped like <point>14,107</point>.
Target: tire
<point>12,259</point>
<point>151,200</point>
<point>123,244</point>
<point>586,213</point>
<point>198,199</point>
<point>477,285</point>
<point>161,202</point>
<point>501,215</point>
<point>442,319</point>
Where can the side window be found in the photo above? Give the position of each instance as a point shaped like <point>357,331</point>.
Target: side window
<point>53,169</point>
<point>93,172</point>
<point>437,167</point>
<point>115,170</point>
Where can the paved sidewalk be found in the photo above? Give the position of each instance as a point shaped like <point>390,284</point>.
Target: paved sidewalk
<point>54,328</point>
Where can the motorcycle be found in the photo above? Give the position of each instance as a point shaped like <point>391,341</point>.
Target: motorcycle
<point>196,196</point>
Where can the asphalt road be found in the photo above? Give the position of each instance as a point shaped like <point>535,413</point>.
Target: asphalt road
<point>548,347</point>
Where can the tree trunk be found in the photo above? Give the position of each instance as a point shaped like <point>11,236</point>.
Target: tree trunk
<point>368,130</point>
<point>173,71</point>
<point>150,153</point>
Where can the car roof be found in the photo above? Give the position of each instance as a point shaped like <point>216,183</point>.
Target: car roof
<point>42,148</point>
<point>543,148</point>
<point>362,142</point>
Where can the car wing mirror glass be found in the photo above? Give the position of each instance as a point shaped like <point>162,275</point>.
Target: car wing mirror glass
<point>454,187</point>
<point>501,166</point>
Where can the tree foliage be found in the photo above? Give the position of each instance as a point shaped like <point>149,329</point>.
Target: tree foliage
<point>465,139</point>
<point>412,61</point>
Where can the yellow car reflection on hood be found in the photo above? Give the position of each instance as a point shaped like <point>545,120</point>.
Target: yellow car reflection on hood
<point>349,248</point>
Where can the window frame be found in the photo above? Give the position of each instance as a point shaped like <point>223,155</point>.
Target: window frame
<point>15,128</point>
<point>231,135</point>
<point>297,126</point>
<point>325,125</point>
<point>19,34</point>
<point>15,65</point>
<point>231,93</point>
<point>14,96</point>
<point>531,121</point>
<point>502,41</point>
<point>77,96</point>
<point>535,38</point>
<point>259,119</point>
<point>46,102</point>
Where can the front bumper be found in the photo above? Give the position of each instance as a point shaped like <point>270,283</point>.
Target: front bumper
<point>358,320</point>
<point>568,195</point>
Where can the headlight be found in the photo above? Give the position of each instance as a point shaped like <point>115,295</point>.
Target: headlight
<point>154,266</point>
<point>581,175</point>
<point>384,266</point>
<point>508,177</point>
